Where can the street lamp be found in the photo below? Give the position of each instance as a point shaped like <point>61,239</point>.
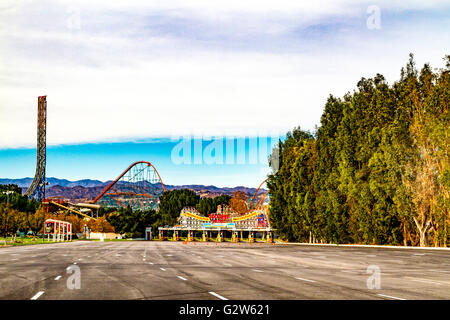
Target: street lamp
<point>7,195</point>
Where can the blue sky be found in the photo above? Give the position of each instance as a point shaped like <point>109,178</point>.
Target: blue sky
<point>119,73</point>
<point>245,164</point>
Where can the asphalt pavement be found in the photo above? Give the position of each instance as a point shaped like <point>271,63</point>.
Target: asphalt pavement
<point>225,271</point>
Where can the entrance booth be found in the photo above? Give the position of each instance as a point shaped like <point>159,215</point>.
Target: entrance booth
<point>235,236</point>
<point>251,237</point>
<point>190,235</point>
<point>148,233</point>
<point>59,230</point>
<point>219,236</point>
<point>269,238</point>
<point>205,235</point>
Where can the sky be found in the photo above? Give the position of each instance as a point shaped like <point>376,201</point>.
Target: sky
<point>125,79</point>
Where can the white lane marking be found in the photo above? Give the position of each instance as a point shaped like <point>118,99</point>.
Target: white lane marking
<point>37,295</point>
<point>256,270</point>
<point>163,269</point>
<point>303,279</point>
<point>427,281</point>
<point>79,259</point>
<point>217,295</point>
<point>182,278</point>
<point>419,254</point>
<point>150,262</point>
<point>57,278</point>
<point>74,263</point>
<point>371,255</point>
<point>169,255</point>
<point>396,298</point>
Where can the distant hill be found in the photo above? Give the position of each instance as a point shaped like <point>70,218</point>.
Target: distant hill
<point>25,182</point>
<point>86,189</point>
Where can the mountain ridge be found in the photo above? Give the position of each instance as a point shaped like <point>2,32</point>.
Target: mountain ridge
<point>88,189</point>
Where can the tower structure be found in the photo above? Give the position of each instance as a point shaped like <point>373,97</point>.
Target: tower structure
<point>37,187</point>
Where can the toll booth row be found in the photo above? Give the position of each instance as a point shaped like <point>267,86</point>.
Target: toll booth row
<point>215,235</point>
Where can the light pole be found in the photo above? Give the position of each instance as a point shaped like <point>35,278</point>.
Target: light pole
<point>7,195</point>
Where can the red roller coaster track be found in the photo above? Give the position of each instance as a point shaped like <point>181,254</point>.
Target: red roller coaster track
<point>254,195</point>
<point>130,177</point>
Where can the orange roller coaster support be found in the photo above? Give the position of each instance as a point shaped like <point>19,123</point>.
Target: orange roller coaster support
<point>261,201</point>
<point>254,195</point>
<point>123,173</point>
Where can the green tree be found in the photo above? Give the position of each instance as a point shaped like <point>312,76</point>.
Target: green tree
<point>375,171</point>
<point>171,202</point>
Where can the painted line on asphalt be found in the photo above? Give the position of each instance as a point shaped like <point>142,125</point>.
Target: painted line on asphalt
<point>218,295</point>
<point>256,270</point>
<point>150,263</point>
<point>386,296</point>
<point>182,278</point>
<point>307,280</point>
<point>427,281</point>
<point>37,295</point>
<point>163,269</point>
<point>57,278</point>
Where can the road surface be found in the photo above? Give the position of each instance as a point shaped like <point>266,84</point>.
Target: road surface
<point>210,271</point>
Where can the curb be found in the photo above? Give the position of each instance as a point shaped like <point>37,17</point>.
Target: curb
<point>366,246</point>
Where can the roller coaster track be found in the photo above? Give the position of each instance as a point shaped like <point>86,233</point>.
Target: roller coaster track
<point>135,186</point>
<point>72,210</point>
<point>254,195</point>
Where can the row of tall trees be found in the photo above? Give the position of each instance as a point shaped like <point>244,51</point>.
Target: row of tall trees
<point>376,171</point>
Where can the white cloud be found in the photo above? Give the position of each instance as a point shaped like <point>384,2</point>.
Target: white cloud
<point>137,69</point>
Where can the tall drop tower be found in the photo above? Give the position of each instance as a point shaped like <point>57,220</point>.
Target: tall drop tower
<point>37,187</point>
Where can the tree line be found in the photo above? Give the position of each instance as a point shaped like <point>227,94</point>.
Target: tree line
<point>376,171</point>
<point>18,213</point>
